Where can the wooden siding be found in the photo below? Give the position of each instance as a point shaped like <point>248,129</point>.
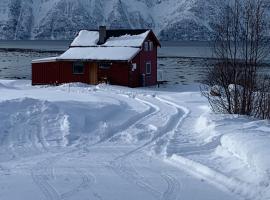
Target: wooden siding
<point>57,73</point>
<point>144,57</point>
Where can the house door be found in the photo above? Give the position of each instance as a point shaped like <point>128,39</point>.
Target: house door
<point>93,74</point>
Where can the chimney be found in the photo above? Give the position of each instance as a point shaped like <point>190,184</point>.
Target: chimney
<point>102,34</point>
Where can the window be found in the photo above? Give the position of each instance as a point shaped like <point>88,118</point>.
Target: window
<point>134,67</point>
<point>148,46</point>
<point>105,65</point>
<point>78,68</point>
<point>148,68</point>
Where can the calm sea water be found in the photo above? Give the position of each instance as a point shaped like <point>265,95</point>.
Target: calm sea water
<point>182,62</point>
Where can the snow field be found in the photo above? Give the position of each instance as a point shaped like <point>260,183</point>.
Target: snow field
<point>109,142</point>
<point>210,147</point>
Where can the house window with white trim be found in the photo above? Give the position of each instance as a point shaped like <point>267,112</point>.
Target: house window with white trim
<point>148,67</point>
<point>148,45</point>
<point>78,68</point>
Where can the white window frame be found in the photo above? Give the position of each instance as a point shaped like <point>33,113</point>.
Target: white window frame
<point>148,71</point>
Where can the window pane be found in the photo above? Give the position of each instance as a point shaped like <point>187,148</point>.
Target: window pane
<point>148,68</point>
<point>78,68</point>
<point>146,46</point>
<point>151,46</point>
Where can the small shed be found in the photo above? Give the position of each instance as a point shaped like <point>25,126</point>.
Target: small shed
<point>119,57</point>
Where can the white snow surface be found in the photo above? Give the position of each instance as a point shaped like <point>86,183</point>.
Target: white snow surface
<point>44,60</point>
<point>86,38</point>
<point>77,141</point>
<point>99,53</point>
<point>127,40</point>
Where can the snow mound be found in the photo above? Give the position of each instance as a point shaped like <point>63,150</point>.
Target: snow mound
<point>31,122</point>
<point>41,124</point>
<point>252,147</point>
<point>86,38</point>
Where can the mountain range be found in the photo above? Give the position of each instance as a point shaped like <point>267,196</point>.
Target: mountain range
<point>62,19</point>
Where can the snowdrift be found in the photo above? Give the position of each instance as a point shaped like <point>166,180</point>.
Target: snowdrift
<point>252,147</point>
<point>40,123</point>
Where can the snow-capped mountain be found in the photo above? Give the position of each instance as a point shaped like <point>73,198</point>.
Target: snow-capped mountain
<point>62,19</point>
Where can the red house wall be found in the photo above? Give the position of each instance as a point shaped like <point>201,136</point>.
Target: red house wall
<point>57,73</point>
<point>149,56</point>
<point>117,74</point>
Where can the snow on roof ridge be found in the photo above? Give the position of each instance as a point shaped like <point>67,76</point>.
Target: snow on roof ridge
<point>86,38</point>
<point>127,40</point>
<point>43,60</point>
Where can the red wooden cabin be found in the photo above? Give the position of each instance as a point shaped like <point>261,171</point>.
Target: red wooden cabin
<point>119,57</point>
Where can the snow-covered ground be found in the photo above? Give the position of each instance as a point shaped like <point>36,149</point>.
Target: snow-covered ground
<point>108,142</point>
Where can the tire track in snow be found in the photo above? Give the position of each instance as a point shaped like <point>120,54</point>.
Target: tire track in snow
<point>216,178</point>
<point>168,130</point>
<point>41,174</point>
<point>44,167</point>
<point>87,180</point>
<point>44,171</point>
<point>152,110</point>
<point>129,173</point>
<point>118,164</point>
<point>172,192</point>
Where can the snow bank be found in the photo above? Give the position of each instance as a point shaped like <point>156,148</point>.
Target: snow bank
<point>205,127</point>
<point>127,40</point>
<point>253,147</point>
<point>218,179</point>
<point>100,53</point>
<point>39,124</point>
<point>86,38</point>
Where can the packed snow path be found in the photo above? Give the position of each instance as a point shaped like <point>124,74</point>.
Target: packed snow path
<point>107,142</point>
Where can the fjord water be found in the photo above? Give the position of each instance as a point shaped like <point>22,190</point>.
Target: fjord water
<point>182,62</point>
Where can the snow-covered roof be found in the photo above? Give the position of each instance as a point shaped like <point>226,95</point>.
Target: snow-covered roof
<point>85,47</point>
<point>90,38</point>
<point>86,38</point>
<point>44,60</point>
<point>127,40</point>
<point>100,53</point>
